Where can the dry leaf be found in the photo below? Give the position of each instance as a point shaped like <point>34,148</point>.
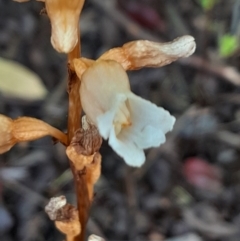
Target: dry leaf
<point>19,82</point>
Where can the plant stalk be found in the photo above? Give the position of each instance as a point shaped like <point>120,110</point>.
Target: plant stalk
<point>74,123</point>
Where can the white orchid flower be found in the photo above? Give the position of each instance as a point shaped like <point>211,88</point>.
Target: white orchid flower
<point>130,123</point>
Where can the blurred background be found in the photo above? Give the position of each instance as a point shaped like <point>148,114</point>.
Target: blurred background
<point>189,188</point>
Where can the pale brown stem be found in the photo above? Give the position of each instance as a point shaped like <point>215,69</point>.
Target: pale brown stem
<point>70,238</point>
<point>75,109</point>
<point>74,123</point>
<point>57,134</point>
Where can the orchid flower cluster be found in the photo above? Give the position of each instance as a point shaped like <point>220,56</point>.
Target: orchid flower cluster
<point>129,122</point>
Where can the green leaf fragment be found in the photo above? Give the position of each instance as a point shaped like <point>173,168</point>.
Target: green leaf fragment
<point>228,44</point>
<point>208,4</point>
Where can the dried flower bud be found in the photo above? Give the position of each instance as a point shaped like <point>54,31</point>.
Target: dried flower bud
<point>54,205</point>
<point>65,216</point>
<point>7,139</point>
<point>143,53</point>
<point>84,145</point>
<point>83,153</point>
<point>79,161</point>
<point>89,166</point>
<point>71,228</point>
<point>28,129</point>
<point>64,17</point>
<point>25,129</point>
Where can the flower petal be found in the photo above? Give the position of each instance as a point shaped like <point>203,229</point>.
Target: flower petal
<point>104,124</point>
<point>105,121</point>
<point>144,113</point>
<point>122,144</point>
<point>149,123</point>
<point>100,84</point>
<point>125,148</point>
<point>148,137</point>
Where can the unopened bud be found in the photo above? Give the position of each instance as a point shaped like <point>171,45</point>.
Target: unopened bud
<point>65,216</point>
<point>25,129</point>
<point>7,140</point>
<point>64,17</point>
<point>142,53</point>
<point>28,129</point>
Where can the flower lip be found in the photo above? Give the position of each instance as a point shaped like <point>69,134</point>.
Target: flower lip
<point>149,124</point>
<point>122,118</point>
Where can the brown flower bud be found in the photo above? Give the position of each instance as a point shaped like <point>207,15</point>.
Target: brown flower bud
<point>7,139</point>
<point>83,153</point>
<point>84,145</point>
<point>142,53</point>
<point>65,216</point>
<point>71,228</point>
<point>28,129</point>
<point>64,17</point>
<point>79,161</point>
<point>25,129</point>
<point>55,204</point>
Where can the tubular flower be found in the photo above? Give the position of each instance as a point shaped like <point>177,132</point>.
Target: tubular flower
<point>64,17</point>
<point>130,123</point>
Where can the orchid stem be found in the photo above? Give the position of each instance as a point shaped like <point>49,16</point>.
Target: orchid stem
<point>63,138</point>
<point>74,123</point>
